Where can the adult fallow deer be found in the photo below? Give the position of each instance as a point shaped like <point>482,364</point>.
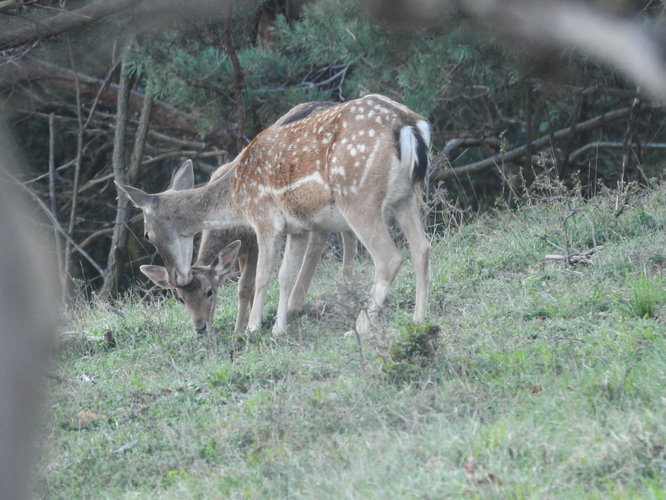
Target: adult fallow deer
<point>347,166</point>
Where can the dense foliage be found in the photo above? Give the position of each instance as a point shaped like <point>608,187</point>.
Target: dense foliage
<point>468,85</point>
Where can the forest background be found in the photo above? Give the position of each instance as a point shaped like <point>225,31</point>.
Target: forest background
<point>127,90</point>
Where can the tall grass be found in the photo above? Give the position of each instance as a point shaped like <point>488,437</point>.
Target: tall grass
<point>533,379</point>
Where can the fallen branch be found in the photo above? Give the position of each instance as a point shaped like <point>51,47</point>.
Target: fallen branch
<point>584,258</point>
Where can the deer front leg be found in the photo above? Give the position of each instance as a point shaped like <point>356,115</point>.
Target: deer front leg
<point>349,244</point>
<point>291,262</point>
<point>266,258</point>
<point>248,273</point>
<point>311,257</point>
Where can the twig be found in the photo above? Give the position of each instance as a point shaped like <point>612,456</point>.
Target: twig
<point>575,258</point>
<point>239,76</point>
<point>57,225</point>
<point>612,145</point>
<point>359,345</point>
<point>52,198</point>
<point>77,165</point>
<point>115,311</point>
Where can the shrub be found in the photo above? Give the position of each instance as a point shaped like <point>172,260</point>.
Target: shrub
<point>412,353</point>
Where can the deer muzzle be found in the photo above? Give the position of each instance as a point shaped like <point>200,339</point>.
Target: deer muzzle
<point>180,279</point>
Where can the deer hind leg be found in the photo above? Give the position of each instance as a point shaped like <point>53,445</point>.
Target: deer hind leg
<point>311,257</point>
<point>349,244</point>
<point>387,259</point>
<point>407,215</point>
<point>268,245</point>
<point>294,251</point>
<point>248,272</point>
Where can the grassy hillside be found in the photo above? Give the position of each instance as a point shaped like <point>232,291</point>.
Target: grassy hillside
<point>534,379</point>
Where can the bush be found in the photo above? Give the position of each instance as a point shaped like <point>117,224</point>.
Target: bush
<point>413,353</point>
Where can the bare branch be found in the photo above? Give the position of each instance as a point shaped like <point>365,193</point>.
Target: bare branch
<point>611,145</point>
<point>30,69</point>
<point>63,22</point>
<point>513,154</point>
<point>56,224</point>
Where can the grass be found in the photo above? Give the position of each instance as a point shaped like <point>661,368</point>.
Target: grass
<point>531,380</point>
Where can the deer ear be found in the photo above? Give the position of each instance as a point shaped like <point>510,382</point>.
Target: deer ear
<point>139,198</point>
<point>227,256</point>
<point>157,275</point>
<point>184,177</point>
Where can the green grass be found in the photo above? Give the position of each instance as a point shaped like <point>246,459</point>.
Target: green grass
<point>531,380</point>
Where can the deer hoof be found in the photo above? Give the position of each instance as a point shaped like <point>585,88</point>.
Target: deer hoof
<point>277,331</point>
<point>363,322</point>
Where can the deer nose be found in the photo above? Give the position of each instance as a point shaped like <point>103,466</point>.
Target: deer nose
<point>201,329</point>
<point>182,279</point>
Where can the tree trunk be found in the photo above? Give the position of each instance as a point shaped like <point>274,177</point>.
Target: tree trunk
<point>119,239</point>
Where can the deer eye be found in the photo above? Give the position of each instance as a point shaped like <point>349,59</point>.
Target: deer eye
<point>145,235</point>
<point>210,292</point>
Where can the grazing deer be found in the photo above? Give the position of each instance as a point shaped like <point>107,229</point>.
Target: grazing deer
<point>346,166</point>
<point>200,295</point>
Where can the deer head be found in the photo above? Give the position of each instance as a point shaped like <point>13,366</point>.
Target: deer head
<point>171,220</point>
<point>200,294</point>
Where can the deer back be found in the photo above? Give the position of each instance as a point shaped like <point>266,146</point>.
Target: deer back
<point>290,177</point>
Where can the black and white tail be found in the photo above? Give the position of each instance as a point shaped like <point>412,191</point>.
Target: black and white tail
<point>413,146</point>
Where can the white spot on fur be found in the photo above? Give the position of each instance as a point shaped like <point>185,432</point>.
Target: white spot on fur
<point>338,171</point>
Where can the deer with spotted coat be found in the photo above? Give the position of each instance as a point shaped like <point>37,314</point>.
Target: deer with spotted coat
<point>348,166</point>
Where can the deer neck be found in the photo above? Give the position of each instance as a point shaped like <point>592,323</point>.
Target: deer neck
<point>203,208</point>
